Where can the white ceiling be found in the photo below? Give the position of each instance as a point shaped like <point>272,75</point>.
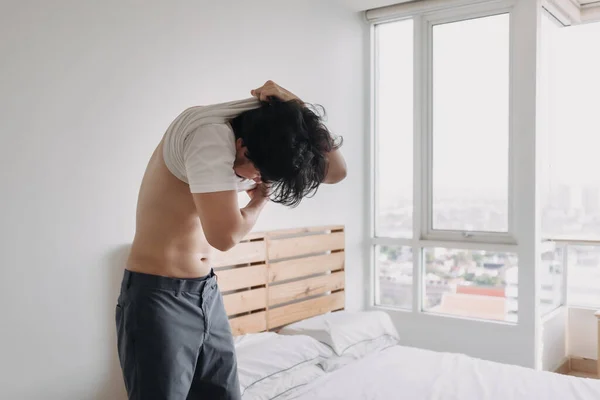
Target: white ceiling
<point>361,5</point>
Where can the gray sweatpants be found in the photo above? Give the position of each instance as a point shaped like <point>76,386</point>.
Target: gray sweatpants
<point>174,339</point>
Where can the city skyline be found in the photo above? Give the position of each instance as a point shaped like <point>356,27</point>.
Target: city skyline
<point>470,164</point>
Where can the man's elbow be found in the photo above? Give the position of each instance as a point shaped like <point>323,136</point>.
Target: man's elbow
<point>221,242</point>
<point>336,176</point>
<point>342,174</point>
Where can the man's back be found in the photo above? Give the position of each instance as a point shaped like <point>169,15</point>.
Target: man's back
<point>169,240</point>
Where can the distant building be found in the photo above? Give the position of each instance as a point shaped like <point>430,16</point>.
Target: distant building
<point>491,291</point>
<point>590,199</point>
<point>473,306</point>
<point>435,290</point>
<point>398,291</point>
<point>511,293</point>
<point>560,197</point>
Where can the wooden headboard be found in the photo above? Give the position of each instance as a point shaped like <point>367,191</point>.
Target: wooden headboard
<point>275,278</point>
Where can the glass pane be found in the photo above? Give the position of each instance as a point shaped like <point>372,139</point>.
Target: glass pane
<point>569,85</point>
<point>470,125</point>
<point>394,276</point>
<point>551,278</point>
<point>394,129</point>
<point>583,264</point>
<point>471,283</point>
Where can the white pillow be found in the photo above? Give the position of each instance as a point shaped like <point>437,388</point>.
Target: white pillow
<point>343,329</point>
<point>358,351</point>
<point>271,363</point>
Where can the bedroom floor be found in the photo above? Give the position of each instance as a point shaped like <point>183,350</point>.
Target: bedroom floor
<point>583,374</point>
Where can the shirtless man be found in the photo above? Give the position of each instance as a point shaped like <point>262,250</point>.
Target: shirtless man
<point>174,339</point>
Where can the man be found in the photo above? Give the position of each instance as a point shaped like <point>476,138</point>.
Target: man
<point>174,339</point>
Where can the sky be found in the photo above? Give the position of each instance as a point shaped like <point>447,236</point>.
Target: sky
<point>470,106</point>
<point>394,110</point>
<point>570,103</point>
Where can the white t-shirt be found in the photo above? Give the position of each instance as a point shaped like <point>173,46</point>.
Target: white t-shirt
<point>208,156</point>
<point>199,147</point>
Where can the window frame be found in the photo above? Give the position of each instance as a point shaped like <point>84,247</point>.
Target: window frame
<point>566,245</point>
<point>427,231</point>
<point>553,245</point>
<point>423,237</point>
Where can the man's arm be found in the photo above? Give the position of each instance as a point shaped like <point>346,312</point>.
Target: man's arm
<point>336,165</point>
<point>223,222</point>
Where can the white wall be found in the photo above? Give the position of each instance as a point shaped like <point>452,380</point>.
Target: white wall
<point>554,339</point>
<point>87,90</point>
<point>481,339</point>
<point>583,333</point>
<point>569,332</point>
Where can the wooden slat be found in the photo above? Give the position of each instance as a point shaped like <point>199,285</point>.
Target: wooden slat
<point>267,278</point>
<point>307,229</point>
<point>243,253</point>
<point>305,309</point>
<point>254,236</point>
<point>297,246</point>
<point>306,287</point>
<point>300,267</point>
<point>252,323</point>
<point>248,300</point>
<point>242,277</point>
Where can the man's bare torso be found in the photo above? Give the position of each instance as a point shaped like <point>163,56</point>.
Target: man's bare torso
<point>169,240</point>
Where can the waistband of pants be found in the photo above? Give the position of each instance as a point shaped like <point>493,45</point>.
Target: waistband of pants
<point>148,281</point>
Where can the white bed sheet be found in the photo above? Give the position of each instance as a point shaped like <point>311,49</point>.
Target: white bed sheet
<point>414,374</point>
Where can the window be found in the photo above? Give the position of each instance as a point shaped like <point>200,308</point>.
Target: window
<point>570,189</point>
<point>471,283</point>
<point>394,126</point>
<point>583,263</point>
<point>570,85</point>
<point>394,276</point>
<point>470,125</point>
<point>551,277</point>
<point>462,145</point>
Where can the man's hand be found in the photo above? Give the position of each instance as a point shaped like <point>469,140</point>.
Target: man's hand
<point>259,192</point>
<point>223,222</point>
<point>271,89</point>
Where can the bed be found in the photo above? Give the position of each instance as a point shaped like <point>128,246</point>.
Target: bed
<point>283,289</point>
<point>409,373</point>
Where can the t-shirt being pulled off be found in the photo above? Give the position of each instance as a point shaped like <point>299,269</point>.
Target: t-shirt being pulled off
<point>199,147</point>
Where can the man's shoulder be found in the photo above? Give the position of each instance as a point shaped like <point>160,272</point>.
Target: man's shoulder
<point>211,136</point>
<point>214,129</point>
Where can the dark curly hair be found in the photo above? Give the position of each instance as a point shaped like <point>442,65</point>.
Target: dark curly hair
<point>287,142</point>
